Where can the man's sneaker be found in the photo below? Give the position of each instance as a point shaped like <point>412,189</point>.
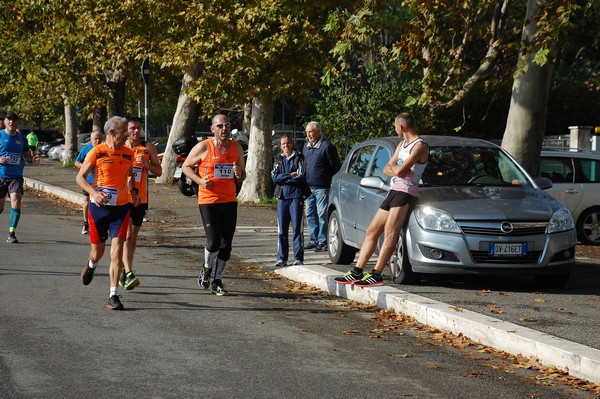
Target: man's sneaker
<point>204,277</point>
<point>310,245</point>
<point>298,262</point>
<point>217,288</point>
<point>122,277</point>
<point>12,238</point>
<point>131,282</point>
<point>114,303</point>
<point>349,278</point>
<point>87,274</point>
<point>85,229</point>
<point>321,248</point>
<point>370,279</point>
<point>280,263</point>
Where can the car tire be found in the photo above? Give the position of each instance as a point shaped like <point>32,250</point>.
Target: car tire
<point>552,280</point>
<point>400,266</point>
<point>339,252</point>
<point>588,227</point>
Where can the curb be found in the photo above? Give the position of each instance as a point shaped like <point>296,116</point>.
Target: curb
<point>76,198</point>
<point>577,360</point>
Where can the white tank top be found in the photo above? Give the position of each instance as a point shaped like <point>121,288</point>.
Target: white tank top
<point>408,184</point>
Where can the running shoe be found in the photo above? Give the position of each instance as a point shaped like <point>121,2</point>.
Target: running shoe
<point>204,277</point>
<point>369,280</point>
<point>280,263</point>
<point>12,238</point>
<point>87,274</point>
<point>298,262</point>
<point>321,248</point>
<point>310,245</point>
<point>349,278</point>
<point>122,277</point>
<point>85,229</point>
<point>217,288</point>
<point>114,303</point>
<point>131,282</point>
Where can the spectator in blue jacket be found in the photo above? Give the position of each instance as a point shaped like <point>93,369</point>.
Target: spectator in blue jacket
<point>322,162</point>
<point>288,175</point>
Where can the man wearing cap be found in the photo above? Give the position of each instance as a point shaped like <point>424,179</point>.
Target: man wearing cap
<point>14,151</point>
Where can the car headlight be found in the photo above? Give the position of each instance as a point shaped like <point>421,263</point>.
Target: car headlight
<point>561,220</point>
<point>435,219</point>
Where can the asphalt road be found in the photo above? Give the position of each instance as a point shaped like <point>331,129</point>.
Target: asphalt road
<point>268,339</point>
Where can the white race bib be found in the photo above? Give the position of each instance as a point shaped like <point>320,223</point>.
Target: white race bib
<point>13,158</point>
<point>223,171</point>
<point>137,173</point>
<point>111,195</point>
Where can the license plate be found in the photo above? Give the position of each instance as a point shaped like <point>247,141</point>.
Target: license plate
<point>508,249</point>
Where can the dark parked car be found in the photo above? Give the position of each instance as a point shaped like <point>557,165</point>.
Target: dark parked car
<point>478,212</point>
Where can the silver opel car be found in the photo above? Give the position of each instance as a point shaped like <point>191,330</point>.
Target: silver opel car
<point>478,212</point>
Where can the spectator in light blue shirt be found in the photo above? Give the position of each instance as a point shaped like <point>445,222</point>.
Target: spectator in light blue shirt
<point>95,138</point>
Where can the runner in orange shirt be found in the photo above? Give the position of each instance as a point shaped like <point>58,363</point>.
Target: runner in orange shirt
<point>145,159</point>
<point>111,165</point>
<point>219,160</point>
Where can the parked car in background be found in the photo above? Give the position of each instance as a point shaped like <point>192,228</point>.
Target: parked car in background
<point>56,153</point>
<point>575,179</point>
<point>43,148</point>
<point>479,212</point>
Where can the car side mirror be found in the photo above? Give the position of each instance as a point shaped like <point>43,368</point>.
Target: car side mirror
<point>543,182</point>
<point>374,182</point>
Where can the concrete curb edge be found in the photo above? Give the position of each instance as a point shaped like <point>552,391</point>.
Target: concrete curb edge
<point>578,360</point>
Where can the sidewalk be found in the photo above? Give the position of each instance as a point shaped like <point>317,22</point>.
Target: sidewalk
<point>166,202</point>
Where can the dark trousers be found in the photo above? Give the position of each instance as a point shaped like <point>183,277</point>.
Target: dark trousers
<point>290,210</point>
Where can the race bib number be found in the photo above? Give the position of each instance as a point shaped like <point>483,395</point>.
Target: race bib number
<point>13,158</point>
<point>137,173</point>
<point>111,195</point>
<point>224,171</point>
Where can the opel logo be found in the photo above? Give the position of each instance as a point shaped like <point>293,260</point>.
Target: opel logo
<point>506,227</point>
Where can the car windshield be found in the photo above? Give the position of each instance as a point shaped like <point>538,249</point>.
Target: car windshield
<point>471,166</point>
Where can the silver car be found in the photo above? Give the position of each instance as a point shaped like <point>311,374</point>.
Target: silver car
<point>575,179</point>
<point>478,212</point>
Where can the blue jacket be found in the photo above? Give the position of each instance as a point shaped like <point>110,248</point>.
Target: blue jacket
<point>322,162</point>
<point>286,186</point>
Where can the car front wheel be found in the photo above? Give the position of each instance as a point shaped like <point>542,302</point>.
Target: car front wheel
<point>339,252</point>
<point>588,227</point>
<point>400,266</point>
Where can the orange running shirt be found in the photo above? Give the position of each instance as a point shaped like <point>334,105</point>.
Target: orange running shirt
<point>218,167</point>
<point>111,168</point>
<point>140,173</point>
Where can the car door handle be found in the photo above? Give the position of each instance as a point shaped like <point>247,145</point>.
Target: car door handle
<point>361,196</point>
<point>572,191</point>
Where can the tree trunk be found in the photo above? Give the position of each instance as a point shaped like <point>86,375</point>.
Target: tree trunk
<point>116,100</point>
<point>247,119</point>
<point>185,121</point>
<point>526,122</point>
<point>70,134</point>
<point>260,153</point>
<point>99,118</point>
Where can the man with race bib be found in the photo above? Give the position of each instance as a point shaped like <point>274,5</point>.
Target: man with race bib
<point>14,151</point>
<point>111,165</point>
<point>145,158</point>
<point>219,161</point>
